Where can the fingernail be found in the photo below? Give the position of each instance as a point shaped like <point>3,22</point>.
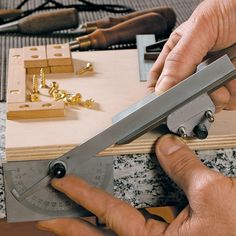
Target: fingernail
<point>169,144</point>
<point>56,182</point>
<point>165,84</point>
<point>158,92</point>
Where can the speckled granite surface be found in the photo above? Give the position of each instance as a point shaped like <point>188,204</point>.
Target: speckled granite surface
<point>139,178</point>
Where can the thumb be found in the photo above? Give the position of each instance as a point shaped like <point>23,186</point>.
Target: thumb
<point>180,163</point>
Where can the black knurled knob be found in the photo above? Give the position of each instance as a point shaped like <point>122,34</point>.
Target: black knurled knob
<point>200,131</point>
<point>58,170</point>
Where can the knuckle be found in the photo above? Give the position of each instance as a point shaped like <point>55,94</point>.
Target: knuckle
<point>207,187</point>
<point>108,212</point>
<point>174,39</point>
<point>176,57</point>
<point>172,69</point>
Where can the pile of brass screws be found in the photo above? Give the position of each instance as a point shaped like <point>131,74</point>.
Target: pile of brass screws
<point>56,93</point>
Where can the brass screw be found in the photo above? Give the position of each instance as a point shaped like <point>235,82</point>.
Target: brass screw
<point>88,103</point>
<point>35,85</point>
<point>73,99</point>
<point>34,97</point>
<point>87,69</point>
<point>53,88</point>
<point>43,79</point>
<point>59,95</point>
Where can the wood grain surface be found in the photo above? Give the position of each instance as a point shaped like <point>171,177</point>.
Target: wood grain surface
<point>114,85</point>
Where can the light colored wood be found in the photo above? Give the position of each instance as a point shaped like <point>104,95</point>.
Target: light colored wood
<point>164,212</point>
<point>24,229</point>
<point>32,110</point>
<point>62,69</point>
<point>114,85</point>
<point>36,70</point>
<point>35,56</point>
<point>19,84</point>
<point>58,55</point>
<point>16,88</point>
<point>28,228</point>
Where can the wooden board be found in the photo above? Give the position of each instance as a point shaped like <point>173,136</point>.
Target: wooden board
<point>26,229</point>
<point>115,85</point>
<point>30,229</point>
<point>16,86</point>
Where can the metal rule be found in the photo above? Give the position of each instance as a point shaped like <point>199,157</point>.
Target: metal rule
<point>28,192</point>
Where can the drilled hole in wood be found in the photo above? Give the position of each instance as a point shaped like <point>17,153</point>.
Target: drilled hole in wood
<point>57,46</point>
<point>47,105</point>
<point>58,55</point>
<point>35,56</point>
<point>14,91</point>
<point>34,49</point>
<point>16,56</point>
<point>24,106</point>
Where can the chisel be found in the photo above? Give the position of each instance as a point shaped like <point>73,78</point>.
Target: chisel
<point>6,14</point>
<point>43,22</point>
<point>107,22</point>
<point>125,32</point>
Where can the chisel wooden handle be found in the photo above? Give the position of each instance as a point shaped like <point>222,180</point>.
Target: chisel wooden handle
<point>9,13</point>
<point>125,32</point>
<point>166,12</point>
<point>49,21</point>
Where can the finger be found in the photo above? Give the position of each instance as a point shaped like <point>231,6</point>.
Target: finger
<point>69,227</point>
<point>181,164</point>
<point>221,98</point>
<point>182,61</point>
<point>118,215</point>
<point>157,67</point>
<point>231,86</point>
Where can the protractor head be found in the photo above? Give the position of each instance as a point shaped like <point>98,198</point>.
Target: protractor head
<point>46,202</point>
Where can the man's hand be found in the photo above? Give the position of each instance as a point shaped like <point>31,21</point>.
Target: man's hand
<point>211,196</point>
<point>210,28</point>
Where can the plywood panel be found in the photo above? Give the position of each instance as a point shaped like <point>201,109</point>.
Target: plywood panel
<point>26,229</point>
<point>115,85</point>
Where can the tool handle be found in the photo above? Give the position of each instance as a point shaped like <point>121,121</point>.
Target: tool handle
<point>9,13</point>
<point>125,32</point>
<point>49,21</point>
<point>107,22</point>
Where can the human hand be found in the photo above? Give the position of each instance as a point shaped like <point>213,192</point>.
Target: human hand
<point>211,196</point>
<point>211,27</point>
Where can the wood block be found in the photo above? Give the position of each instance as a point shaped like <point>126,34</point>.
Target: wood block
<point>35,56</point>
<point>32,110</point>
<point>59,55</point>
<point>36,70</point>
<point>62,69</point>
<point>114,88</point>
<point>26,229</point>
<point>16,79</point>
